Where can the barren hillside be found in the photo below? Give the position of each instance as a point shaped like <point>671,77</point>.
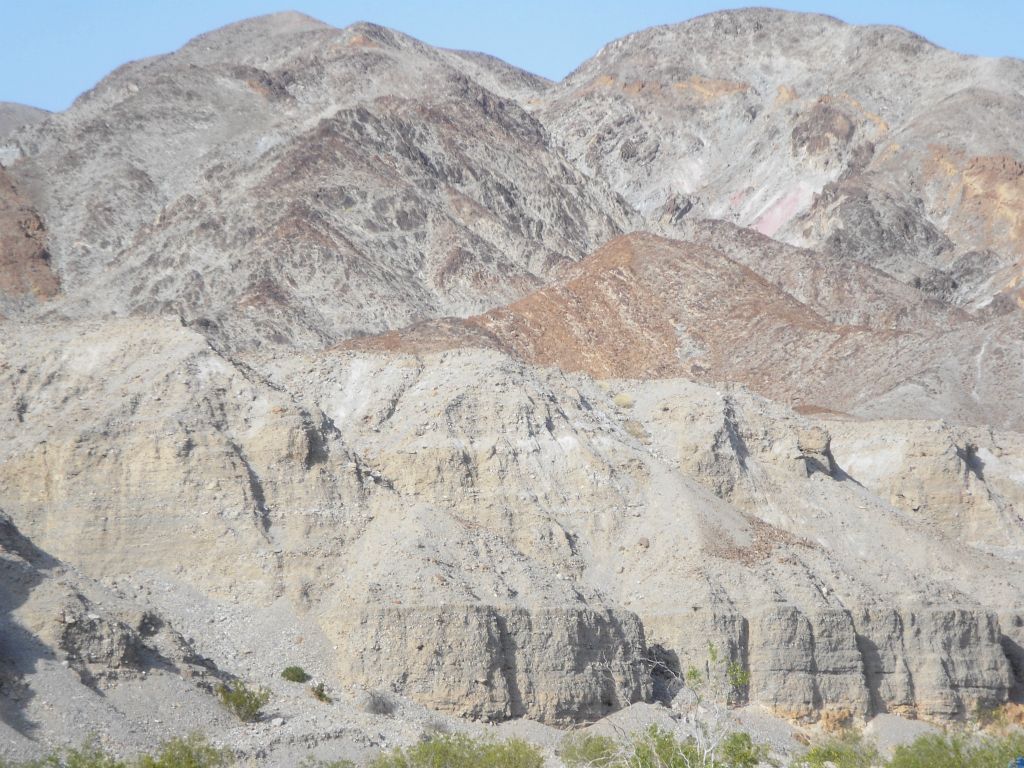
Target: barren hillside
<point>491,401</point>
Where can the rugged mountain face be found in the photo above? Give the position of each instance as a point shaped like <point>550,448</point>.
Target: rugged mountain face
<point>867,142</point>
<point>502,397</point>
<point>282,180</point>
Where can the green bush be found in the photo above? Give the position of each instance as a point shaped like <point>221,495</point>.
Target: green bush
<point>590,752</point>
<point>89,755</point>
<point>937,750</point>
<point>658,748</point>
<point>851,751</point>
<point>738,750</point>
<point>243,701</point>
<point>295,675</point>
<point>460,751</point>
<point>191,752</point>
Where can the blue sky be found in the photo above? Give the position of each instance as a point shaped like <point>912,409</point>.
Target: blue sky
<point>52,50</point>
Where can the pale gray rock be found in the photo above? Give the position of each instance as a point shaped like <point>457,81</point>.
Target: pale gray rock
<point>14,116</point>
<point>555,665</point>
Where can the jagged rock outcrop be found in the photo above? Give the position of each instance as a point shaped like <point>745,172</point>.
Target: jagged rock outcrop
<point>570,537</point>
<point>90,639</point>
<point>846,665</point>
<point>815,446</point>
<point>915,660</point>
<point>802,665</point>
<point>65,637</point>
<point>943,474</point>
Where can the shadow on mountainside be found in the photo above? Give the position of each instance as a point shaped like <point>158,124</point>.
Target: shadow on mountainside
<point>21,570</point>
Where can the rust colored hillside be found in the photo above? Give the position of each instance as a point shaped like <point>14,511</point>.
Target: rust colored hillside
<point>645,306</point>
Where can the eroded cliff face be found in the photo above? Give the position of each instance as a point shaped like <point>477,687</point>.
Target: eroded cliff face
<point>581,523</point>
<point>558,665</point>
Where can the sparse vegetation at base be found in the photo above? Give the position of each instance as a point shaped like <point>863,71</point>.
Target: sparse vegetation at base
<point>243,701</point>
<point>190,752</point>
<point>312,762</point>
<point>959,751</point>
<point>461,751</point>
<point>849,751</point>
<point>934,750</point>
<point>658,748</point>
<point>295,675</point>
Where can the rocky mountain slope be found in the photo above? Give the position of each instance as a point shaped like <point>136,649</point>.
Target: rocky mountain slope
<point>867,142</point>
<point>647,307</point>
<point>280,180</point>
<point>498,399</point>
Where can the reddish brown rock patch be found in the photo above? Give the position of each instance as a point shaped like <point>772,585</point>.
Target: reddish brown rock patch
<point>24,261</point>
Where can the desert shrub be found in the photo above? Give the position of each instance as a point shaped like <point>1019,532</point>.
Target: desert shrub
<point>738,750</point>
<point>934,750</point>
<point>658,748</point>
<point>89,755</point>
<point>295,675</point>
<point>191,752</point>
<point>318,693</point>
<point>590,752</point>
<point>461,751</point>
<point>624,400</point>
<point>738,676</point>
<point>1000,719</point>
<point>243,701</point>
<point>850,751</point>
<point>999,751</point>
<point>938,750</point>
<point>313,762</point>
